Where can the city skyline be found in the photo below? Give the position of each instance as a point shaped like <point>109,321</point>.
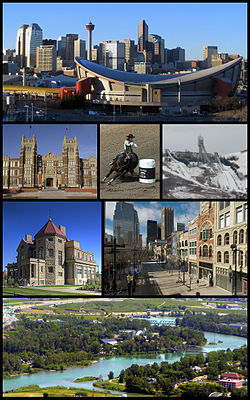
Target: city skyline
<point>107,20</point>
<point>184,211</point>
<point>81,219</point>
<point>86,134</point>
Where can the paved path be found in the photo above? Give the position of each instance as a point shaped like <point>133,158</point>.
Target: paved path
<point>158,280</point>
<point>69,289</point>
<point>50,194</point>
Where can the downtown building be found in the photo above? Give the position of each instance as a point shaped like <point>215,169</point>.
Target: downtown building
<point>211,235</point>
<point>51,259</point>
<point>32,170</point>
<point>126,225</point>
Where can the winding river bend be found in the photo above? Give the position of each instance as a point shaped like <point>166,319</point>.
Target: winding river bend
<point>116,364</point>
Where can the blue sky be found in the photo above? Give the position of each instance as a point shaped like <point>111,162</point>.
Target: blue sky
<point>184,211</point>
<point>81,219</point>
<point>188,25</point>
<point>50,138</point>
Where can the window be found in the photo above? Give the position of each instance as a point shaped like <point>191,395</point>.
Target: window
<point>200,251</point>
<point>241,236</point>
<point>221,205</point>
<point>246,259</point>
<point>240,259</point>
<point>227,219</point>
<point>210,251</point>
<point>86,164</point>
<point>235,237</point>
<point>59,273</point>
<point>226,239</point>
<point>205,251</point>
<point>50,239</point>
<point>205,234</point>
<point>227,204</point>
<point>60,163</point>
<point>239,214</point>
<point>51,252</point>
<point>210,233</point>
<point>219,256</point>
<point>49,163</point>
<point>71,170</point>
<point>86,172</point>
<point>245,207</point>
<point>92,164</point>
<point>33,270</point>
<point>85,270</point>
<point>226,257</point>
<point>222,224</point>
<point>59,241</point>
<point>71,181</point>
<point>219,240</point>
<point>93,173</point>
<point>50,269</point>
<point>40,252</point>
<point>28,161</point>
<point>28,148</point>
<point>27,180</point>
<point>70,149</point>
<point>71,162</point>
<point>78,270</point>
<point>59,257</point>
<point>27,171</point>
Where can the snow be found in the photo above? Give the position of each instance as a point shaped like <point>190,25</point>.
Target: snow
<point>215,175</point>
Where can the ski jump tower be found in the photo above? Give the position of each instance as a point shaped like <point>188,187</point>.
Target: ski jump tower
<point>203,156</point>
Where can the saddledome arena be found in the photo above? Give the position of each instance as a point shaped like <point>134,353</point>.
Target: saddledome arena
<point>103,85</point>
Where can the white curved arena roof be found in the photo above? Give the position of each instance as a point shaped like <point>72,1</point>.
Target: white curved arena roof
<point>137,79</point>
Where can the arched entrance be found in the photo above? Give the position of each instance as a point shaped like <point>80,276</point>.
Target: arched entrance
<point>49,182</point>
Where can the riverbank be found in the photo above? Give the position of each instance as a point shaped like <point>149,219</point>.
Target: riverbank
<point>87,363</point>
<point>55,391</point>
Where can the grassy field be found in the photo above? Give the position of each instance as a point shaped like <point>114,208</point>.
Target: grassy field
<point>39,292</point>
<point>57,391</point>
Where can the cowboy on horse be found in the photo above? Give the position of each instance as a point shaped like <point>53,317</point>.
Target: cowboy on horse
<point>128,142</point>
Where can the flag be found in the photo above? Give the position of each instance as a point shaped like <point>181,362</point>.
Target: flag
<point>67,129</point>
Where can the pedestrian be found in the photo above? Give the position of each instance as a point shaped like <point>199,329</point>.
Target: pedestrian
<point>130,279</point>
<point>136,272</point>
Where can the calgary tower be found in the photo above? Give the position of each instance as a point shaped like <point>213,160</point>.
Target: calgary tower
<point>90,27</point>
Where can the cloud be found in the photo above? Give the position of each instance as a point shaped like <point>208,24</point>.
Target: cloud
<point>109,210</point>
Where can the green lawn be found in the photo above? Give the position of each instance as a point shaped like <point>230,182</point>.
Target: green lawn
<point>35,292</point>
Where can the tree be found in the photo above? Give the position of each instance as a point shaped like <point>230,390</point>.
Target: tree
<point>111,375</point>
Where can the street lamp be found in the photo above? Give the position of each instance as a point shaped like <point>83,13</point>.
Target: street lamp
<point>234,249</point>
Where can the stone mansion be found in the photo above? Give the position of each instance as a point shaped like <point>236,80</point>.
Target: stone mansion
<point>51,259</point>
<point>32,170</point>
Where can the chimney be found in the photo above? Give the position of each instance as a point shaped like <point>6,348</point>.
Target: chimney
<point>62,229</point>
<point>28,238</point>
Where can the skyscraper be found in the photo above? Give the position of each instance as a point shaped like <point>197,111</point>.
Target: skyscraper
<point>126,224</point>
<point>20,46</point>
<point>142,35</point>
<point>180,226</point>
<point>70,39</point>
<point>167,222</point>
<point>61,47</point>
<point>207,53</point>
<point>152,230</point>
<point>158,48</point>
<point>80,48</point>
<point>46,58</point>
<point>34,38</point>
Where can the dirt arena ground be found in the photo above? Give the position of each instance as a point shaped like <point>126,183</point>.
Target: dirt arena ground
<point>147,137</point>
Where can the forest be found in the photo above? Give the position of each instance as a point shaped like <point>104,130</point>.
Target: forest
<point>160,379</point>
<point>212,322</point>
<point>55,344</point>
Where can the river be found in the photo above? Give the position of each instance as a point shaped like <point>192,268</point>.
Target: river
<point>116,364</point>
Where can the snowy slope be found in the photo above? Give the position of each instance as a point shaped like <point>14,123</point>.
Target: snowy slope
<point>215,175</point>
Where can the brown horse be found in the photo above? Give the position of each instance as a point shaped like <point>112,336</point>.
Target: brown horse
<point>126,162</point>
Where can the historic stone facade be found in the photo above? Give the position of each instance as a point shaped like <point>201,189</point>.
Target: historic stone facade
<point>231,230</point>
<point>32,170</point>
<point>51,259</point>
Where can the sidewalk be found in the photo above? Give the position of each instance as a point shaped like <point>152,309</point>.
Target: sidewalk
<point>166,283</point>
